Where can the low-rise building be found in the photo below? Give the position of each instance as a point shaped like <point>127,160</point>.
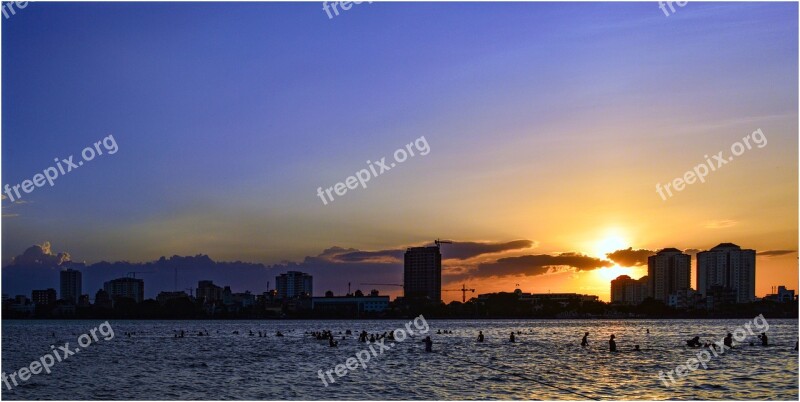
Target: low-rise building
<point>44,297</point>
<point>351,304</point>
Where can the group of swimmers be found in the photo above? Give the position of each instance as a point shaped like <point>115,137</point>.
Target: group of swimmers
<point>182,333</point>
<point>365,337</point>
<point>727,341</point>
<point>612,344</point>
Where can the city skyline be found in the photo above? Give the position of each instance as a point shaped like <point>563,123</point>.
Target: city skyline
<point>280,273</point>
<point>551,129</point>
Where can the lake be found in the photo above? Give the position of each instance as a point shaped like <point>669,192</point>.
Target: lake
<point>545,362</point>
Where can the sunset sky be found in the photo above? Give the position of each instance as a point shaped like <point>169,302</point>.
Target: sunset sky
<point>549,127</point>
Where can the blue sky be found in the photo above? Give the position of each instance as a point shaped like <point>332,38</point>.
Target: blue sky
<point>229,116</point>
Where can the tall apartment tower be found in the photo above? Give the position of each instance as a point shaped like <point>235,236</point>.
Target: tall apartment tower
<point>422,273</point>
<point>71,285</point>
<point>728,267</point>
<point>131,288</point>
<point>294,284</point>
<point>668,271</point>
<point>626,290</point>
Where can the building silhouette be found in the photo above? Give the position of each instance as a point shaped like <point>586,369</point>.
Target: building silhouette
<point>422,273</point>
<point>208,292</point>
<point>351,304</point>
<point>43,297</point>
<point>294,284</point>
<point>669,271</point>
<point>727,271</point>
<point>626,290</point>
<point>131,288</point>
<point>71,285</point>
<point>165,296</point>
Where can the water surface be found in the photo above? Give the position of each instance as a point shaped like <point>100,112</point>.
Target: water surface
<point>153,365</point>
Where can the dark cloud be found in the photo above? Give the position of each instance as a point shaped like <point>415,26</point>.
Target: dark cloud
<point>385,256</point>
<point>774,253</point>
<point>630,257</point>
<point>539,264</point>
<point>456,250</point>
<point>466,250</point>
<point>40,255</point>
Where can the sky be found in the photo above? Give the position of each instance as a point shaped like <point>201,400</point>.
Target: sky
<point>548,129</point>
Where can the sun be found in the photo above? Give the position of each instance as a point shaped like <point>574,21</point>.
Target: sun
<point>609,244</point>
<point>609,273</point>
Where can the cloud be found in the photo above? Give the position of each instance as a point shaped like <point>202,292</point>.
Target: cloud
<point>12,205</point>
<point>538,264</point>
<point>466,250</point>
<point>382,256</point>
<point>456,250</point>
<point>720,224</point>
<point>630,257</point>
<point>40,255</point>
<point>775,253</point>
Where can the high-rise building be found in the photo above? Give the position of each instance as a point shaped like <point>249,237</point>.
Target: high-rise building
<point>208,292</point>
<point>131,288</point>
<point>626,290</point>
<point>294,284</point>
<point>422,273</point>
<point>668,271</point>
<point>71,281</point>
<point>728,266</point>
<point>43,297</point>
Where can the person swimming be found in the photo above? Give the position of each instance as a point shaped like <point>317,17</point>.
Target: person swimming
<point>480,336</point>
<point>728,340</point>
<point>332,343</point>
<point>511,338</point>
<point>585,340</point>
<point>278,333</point>
<point>612,345</point>
<point>428,344</point>
<point>694,342</point>
<point>763,337</point>
<point>636,348</point>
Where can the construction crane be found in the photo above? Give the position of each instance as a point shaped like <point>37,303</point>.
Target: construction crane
<point>463,291</point>
<point>440,242</point>
<point>132,274</point>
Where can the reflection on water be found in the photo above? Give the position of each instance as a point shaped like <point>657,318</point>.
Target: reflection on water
<point>153,365</point>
